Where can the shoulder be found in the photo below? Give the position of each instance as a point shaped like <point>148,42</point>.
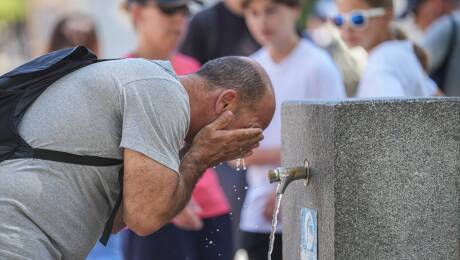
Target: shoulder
<point>184,64</point>
<point>260,55</point>
<point>128,70</point>
<point>314,57</point>
<point>203,17</point>
<point>445,22</point>
<point>441,29</point>
<point>391,55</point>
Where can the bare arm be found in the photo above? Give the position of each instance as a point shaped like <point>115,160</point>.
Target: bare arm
<point>154,194</point>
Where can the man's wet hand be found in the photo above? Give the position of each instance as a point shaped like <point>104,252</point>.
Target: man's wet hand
<point>215,144</point>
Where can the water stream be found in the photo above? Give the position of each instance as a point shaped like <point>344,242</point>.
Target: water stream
<point>274,221</point>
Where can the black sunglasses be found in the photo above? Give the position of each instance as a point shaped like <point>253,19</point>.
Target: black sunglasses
<point>173,10</point>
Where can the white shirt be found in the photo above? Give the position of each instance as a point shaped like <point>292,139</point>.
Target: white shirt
<point>307,72</point>
<point>393,70</point>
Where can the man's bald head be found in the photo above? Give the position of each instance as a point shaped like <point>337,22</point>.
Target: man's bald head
<point>242,74</point>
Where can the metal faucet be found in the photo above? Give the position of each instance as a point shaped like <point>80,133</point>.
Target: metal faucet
<point>286,175</point>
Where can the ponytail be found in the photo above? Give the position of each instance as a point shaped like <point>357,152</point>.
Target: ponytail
<point>419,51</point>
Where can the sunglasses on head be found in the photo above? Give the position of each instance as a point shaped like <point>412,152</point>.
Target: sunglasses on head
<point>175,9</point>
<point>358,18</point>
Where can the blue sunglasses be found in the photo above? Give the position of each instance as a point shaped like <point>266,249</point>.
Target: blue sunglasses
<point>358,18</point>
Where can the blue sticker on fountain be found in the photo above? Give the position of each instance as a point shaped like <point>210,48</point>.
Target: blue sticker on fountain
<point>309,234</point>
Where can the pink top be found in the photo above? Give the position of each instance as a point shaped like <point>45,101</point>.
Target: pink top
<point>208,193</point>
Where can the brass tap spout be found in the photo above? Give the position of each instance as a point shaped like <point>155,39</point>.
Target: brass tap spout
<point>286,175</point>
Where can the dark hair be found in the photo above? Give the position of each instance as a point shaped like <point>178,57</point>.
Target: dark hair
<point>380,3</point>
<point>291,3</point>
<point>235,73</point>
<point>419,51</point>
<point>73,30</point>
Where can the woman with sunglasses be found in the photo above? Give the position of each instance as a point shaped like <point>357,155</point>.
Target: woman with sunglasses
<point>203,229</point>
<point>396,67</point>
<point>298,69</point>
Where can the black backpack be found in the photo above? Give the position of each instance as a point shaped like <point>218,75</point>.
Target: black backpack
<point>20,87</point>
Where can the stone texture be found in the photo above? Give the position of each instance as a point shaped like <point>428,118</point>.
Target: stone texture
<point>385,177</point>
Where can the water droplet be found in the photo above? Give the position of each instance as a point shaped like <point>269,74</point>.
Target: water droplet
<point>210,242</point>
<point>246,187</point>
<point>218,230</point>
<point>238,198</point>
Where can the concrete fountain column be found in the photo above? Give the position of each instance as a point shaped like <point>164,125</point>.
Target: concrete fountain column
<point>384,179</point>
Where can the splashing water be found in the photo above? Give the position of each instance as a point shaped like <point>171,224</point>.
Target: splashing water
<point>240,163</point>
<point>274,221</point>
<point>215,166</point>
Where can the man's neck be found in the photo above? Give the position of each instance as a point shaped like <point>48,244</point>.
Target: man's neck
<point>278,52</point>
<point>145,50</point>
<point>200,102</point>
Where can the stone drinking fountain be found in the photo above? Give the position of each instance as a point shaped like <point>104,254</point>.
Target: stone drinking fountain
<point>383,179</point>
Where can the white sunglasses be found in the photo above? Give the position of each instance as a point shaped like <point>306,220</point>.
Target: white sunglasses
<point>358,18</point>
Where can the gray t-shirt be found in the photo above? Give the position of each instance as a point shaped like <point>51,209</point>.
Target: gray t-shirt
<point>436,42</point>
<point>52,210</point>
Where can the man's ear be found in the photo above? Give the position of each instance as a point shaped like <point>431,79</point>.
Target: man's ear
<point>226,101</point>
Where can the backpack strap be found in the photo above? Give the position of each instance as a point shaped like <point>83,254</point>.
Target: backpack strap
<point>109,225</point>
<point>74,158</point>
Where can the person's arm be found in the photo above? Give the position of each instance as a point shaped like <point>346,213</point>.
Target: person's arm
<point>118,223</point>
<point>154,194</point>
<point>188,218</point>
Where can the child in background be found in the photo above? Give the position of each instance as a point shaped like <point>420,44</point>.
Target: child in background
<point>298,69</point>
<point>396,67</point>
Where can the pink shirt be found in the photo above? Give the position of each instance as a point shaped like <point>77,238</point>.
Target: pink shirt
<point>208,193</point>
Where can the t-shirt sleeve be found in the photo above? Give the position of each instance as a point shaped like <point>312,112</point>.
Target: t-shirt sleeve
<point>155,116</point>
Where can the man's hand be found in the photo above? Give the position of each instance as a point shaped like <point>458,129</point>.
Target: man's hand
<point>215,144</point>
<point>153,194</point>
<point>188,219</point>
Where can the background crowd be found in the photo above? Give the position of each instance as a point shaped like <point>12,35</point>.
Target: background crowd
<point>321,49</point>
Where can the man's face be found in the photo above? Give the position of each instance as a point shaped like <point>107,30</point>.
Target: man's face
<point>257,116</point>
